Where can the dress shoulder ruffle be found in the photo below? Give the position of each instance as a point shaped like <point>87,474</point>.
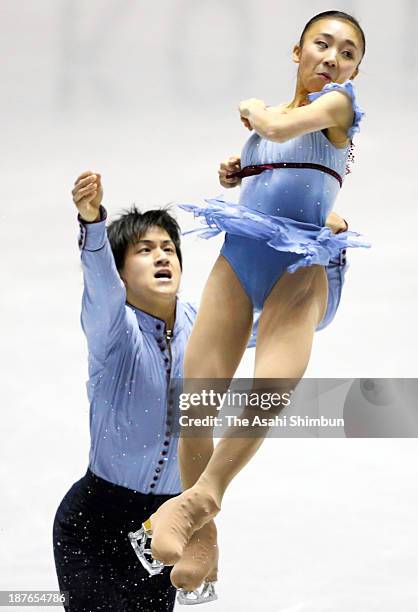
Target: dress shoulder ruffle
<point>347,87</point>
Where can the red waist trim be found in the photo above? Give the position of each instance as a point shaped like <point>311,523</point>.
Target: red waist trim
<point>253,170</point>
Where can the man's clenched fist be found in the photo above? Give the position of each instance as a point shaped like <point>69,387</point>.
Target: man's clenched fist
<point>88,195</point>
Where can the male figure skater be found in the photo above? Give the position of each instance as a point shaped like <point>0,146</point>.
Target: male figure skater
<point>136,330</point>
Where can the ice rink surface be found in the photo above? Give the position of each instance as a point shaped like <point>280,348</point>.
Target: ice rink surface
<point>147,95</point>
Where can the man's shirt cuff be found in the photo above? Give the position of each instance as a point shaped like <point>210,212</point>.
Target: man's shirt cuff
<point>92,235</point>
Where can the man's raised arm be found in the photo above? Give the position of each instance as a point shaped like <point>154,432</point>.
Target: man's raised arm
<point>103,314</point>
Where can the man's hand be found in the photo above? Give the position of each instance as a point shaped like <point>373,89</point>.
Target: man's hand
<point>227,167</point>
<point>88,195</point>
<point>336,223</point>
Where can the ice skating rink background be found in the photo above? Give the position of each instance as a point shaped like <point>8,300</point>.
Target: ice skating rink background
<point>147,94</point>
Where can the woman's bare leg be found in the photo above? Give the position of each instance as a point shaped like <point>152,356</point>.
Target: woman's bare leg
<point>287,324</point>
<point>214,350</point>
<point>290,315</point>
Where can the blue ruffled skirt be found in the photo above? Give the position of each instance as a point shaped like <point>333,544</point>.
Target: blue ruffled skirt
<point>310,244</point>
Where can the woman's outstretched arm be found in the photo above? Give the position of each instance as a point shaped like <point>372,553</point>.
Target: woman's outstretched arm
<point>332,110</point>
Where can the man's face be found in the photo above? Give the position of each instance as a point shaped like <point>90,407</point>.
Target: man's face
<point>326,50</point>
<point>151,270</point>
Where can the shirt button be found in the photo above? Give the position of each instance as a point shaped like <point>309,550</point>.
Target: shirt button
<point>158,326</point>
<point>168,422</point>
<point>166,359</point>
<point>166,443</point>
<point>158,470</point>
<point>159,340</point>
<point>169,412</point>
<point>168,433</point>
<point>161,462</point>
<point>152,486</point>
<point>155,478</point>
<point>164,452</point>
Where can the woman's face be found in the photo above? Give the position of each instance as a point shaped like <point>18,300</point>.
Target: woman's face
<point>332,50</point>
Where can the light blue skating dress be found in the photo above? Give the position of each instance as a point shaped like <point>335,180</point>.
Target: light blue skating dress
<point>279,223</point>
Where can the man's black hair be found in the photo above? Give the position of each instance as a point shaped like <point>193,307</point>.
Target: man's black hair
<point>132,225</point>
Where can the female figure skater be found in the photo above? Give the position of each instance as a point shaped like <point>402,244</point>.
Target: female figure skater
<point>278,257</point>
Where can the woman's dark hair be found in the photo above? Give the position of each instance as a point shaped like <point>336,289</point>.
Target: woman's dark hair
<point>132,225</point>
<point>335,15</point>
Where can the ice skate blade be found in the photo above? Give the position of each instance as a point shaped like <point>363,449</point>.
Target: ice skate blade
<point>191,598</point>
<point>138,539</point>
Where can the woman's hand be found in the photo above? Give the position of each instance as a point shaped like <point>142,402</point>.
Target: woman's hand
<point>87,195</point>
<point>336,223</point>
<point>247,107</point>
<point>227,167</point>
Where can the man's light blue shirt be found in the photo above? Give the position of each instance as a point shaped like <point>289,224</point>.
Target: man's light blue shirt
<point>130,366</point>
<point>132,403</point>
